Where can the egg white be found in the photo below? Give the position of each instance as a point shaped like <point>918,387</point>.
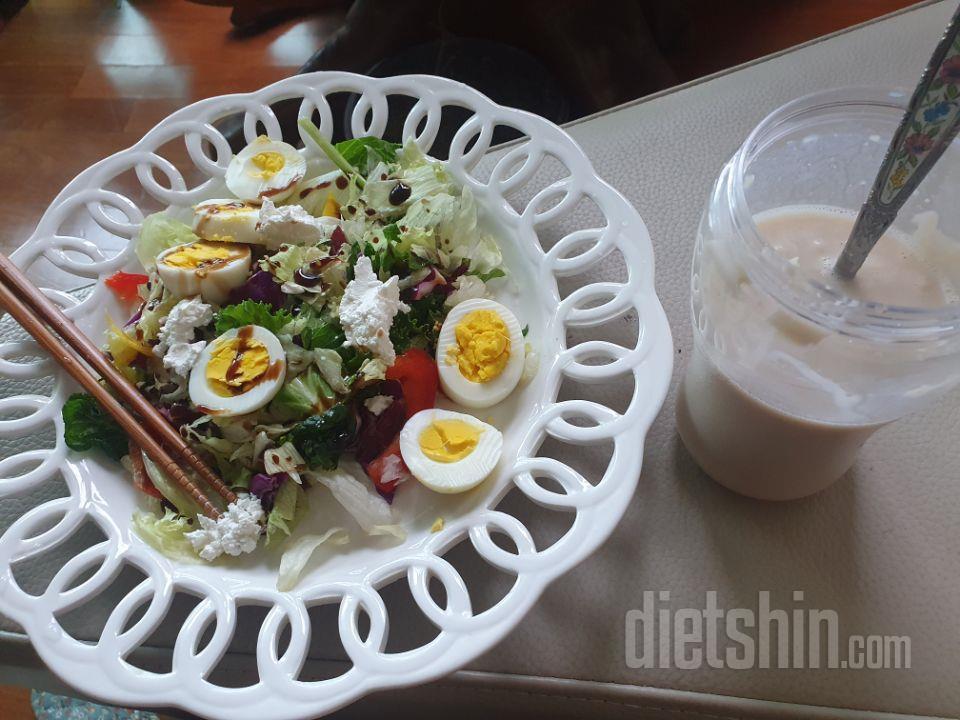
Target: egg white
<point>212,284</point>
<point>203,395</point>
<point>245,180</point>
<point>227,221</point>
<point>452,477</point>
<point>311,194</point>
<point>455,385</point>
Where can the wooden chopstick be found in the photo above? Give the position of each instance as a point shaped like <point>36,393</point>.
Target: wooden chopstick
<point>31,295</point>
<point>79,372</point>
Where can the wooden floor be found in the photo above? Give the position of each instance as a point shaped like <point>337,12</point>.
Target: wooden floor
<point>81,79</point>
<point>15,704</point>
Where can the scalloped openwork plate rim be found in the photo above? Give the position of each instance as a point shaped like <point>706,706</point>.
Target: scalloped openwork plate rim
<point>463,636</point>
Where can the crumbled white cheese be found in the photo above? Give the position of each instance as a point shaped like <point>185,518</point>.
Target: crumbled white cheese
<point>292,225</point>
<point>367,309</point>
<point>378,403</point>
<point>185,317</point>
<point>181,357</point>
<point>175,339</point>
<point>235,532</point>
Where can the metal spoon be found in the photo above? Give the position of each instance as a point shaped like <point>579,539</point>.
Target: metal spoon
<point>927,129</point>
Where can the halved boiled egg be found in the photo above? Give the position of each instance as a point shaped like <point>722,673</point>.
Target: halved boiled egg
<point>208,269</point>
<point>449,452</point>
<point>480,353</point>
<point>238,373</point>
<point>323,194</point>
<point>227,221</point>
<point>265,169</point>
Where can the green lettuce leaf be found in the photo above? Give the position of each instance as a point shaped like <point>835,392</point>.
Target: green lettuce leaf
<point>298,552</point>
<point>251,312</point>
<point>87,426</point>
<point>320,334</point>
<point>491,275</point>
<point>305,395</point>
<point>158,232</point>
<point>363,153</point>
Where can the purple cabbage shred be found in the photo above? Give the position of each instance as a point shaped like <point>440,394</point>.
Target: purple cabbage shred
<point>266,487</point>
<point>260,287</point>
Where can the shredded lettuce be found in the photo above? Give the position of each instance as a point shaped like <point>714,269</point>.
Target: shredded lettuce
<point>428,213</point>
<point>411,155</point>
<point>284,263</point>
<point>156,308</point>
<point>158,232</point>
<point>373,369</point>
<point>330,365</point>
<point>284,459</point>
<point>466,287</point>
<point>298,551</point>
<point>166,534</point>
<point>289,507</point>
<point>359,498</point>
<point>174,494</point>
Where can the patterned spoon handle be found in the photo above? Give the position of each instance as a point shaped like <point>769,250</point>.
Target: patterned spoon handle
<point>926,131</point>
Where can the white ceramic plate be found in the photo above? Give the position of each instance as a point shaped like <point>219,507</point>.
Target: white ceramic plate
<point>555,219</point>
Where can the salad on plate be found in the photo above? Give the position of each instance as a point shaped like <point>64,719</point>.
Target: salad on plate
<point>298,333</point>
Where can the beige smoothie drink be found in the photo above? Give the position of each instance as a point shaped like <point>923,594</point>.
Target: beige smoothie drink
<point>742,441</point>
<point>793,369</point>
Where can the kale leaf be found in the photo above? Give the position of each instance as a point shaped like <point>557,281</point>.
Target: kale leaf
<point>87,426</point>
<point>321,438</point>
<point>421,326</point>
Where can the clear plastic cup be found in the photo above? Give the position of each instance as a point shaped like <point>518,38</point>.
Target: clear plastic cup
<point>792,371</point>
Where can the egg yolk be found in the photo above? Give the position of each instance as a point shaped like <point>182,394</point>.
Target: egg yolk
<point>447,441</point>
<point>268,163</point>
<point>203,255</point>
<point>483,346</point>
<point>236,362</point>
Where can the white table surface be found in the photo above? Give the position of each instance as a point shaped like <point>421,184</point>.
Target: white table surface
<point>880,547</point>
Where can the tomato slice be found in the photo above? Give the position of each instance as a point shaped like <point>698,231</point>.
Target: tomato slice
<point>388,470</point>
<point>141,480</point>
<point>417,374</point>
<point>124,285</point>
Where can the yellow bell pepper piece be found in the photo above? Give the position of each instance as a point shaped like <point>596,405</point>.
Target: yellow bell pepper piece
<point>331,208</point>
